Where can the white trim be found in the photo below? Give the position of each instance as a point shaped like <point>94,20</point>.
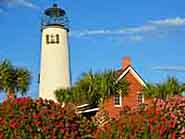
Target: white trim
<point>89,110</point>
<point>120,101</point>
<point>143,99</point>
<point>81,106</point>
<point>133,73</point>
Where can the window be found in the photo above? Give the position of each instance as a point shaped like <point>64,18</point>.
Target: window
<point>52,39</point>
<point>117,100</point>
<point>140,99</point>
<point>57,38</point>
<point>47,39</point>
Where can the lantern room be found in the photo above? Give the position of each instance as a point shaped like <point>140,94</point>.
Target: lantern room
<point>54,16</point>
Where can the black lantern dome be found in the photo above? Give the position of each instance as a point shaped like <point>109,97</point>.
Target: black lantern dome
<point>54,16</point>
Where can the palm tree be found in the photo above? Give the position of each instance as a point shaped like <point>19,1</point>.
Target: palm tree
<point>89,85</point>
<point>170,87</point>
<point>82,92</point>
<point>94,88</point>
<point>174,87</point>
<point>13,80</point>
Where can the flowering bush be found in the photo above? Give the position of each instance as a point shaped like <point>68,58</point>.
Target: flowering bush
<point>162,120</point>
<point>25,118</point>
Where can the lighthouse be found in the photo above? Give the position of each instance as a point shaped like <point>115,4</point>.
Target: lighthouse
<point>55,64</point>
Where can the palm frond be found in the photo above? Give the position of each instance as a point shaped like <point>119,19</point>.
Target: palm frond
<point>13,79</point>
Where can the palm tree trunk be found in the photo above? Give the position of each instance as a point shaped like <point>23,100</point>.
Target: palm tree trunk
<point>10,94</point>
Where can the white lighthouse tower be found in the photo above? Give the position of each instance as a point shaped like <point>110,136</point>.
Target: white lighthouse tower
<point>55,65</point>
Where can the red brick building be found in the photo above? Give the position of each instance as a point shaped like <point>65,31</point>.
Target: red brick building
<point>115,104</point>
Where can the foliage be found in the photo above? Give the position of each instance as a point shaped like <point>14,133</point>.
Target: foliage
<point>72,95</point>
<point>13,80</point>
<point>170,87</point>
<point>93,88</point>
<point>165,120</point>
<point>24,118</point>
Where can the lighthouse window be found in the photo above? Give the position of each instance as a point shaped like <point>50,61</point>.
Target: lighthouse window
<point>57,38</point>
<point>51,39</point>
<point>47,39</point>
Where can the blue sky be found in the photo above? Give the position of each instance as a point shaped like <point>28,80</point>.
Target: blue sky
<point>101,34</point>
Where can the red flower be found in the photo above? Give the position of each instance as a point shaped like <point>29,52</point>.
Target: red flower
<point>37,123</point>
<point>62,130</point>
<point>22,100</point>
<point>162,130</point>
<point>1,121</point>
<point>45,128</point>
<point>182,131</point>
<point>35,116</point>
<point>173,135</point>
<point>13,124</point>
<point>1,135</point>
<point>60,125</point>
<point>172,124</point>
<point>151,120</point>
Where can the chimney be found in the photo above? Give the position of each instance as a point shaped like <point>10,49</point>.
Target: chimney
<point>126,62</point>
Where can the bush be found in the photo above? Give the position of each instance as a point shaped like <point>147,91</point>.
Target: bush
<point>25,118</point>
<point>162,120</point>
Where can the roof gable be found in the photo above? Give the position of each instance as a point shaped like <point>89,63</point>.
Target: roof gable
<point>134,73</point>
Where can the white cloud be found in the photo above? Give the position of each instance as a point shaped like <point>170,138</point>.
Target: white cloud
<point>170,68</point>
<point>136,38</point>
<point>178,21</point>
<point>95,32</point>
<point>139,29</point>
<point>124,31</point>
<point>25,3</point>
<point>154,29</point>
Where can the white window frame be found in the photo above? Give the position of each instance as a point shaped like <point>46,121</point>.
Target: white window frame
<point>143,98</point>
<point>120,101</point>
